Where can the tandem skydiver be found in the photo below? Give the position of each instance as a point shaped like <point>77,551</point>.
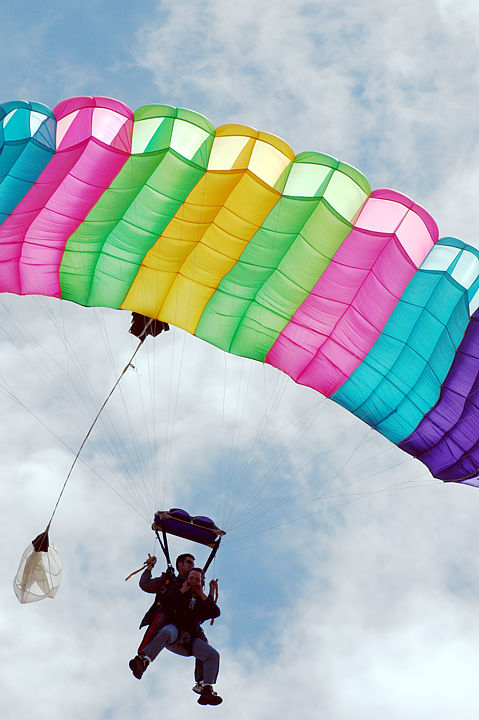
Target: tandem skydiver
<point>174,621</point>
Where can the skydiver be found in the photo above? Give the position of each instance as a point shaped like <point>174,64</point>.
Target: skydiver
<point>174,622</point>
<point>154,618</point>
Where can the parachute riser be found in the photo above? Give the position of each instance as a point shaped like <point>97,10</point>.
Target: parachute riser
<point>212,554</point>
<point>164,546</point>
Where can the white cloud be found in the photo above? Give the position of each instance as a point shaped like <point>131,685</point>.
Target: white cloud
<point>386,88</point>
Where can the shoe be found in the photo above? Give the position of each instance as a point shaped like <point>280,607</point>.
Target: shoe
<point>209,697</point>
<point>138,665</point>
<point>197,688</point>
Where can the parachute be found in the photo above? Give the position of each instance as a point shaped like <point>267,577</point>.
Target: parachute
<point>39,573</point>
<point>287,259</point>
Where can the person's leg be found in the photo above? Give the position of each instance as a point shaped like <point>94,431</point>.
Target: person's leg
<point>198,676</point>
<point>168,634</point>
<point>211,660</point>
<point>198,670</point>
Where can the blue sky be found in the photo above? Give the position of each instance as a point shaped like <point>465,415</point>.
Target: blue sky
<point>50,50</point>
<point>364,607</point>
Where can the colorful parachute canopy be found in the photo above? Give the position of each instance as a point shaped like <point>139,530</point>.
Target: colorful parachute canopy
<point>290,260</point>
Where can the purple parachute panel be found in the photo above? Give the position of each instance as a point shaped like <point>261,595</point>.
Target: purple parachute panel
<point>446,440</point>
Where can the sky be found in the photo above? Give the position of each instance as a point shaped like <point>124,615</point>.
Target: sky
<point>348,575</point>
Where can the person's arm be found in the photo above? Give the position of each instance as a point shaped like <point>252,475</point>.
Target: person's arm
<point>209,609</point>
<point>213,593</point>
<point>152,585</point>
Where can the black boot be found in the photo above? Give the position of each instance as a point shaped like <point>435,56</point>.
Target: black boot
<point>209,697</point>
<point>138,665</point>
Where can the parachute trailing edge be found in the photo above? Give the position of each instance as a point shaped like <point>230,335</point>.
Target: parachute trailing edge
<point>287,259</point>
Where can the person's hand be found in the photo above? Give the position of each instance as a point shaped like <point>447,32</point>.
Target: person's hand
<point>185,587</point>
<point>150,562</point>
<point>195,583</point>
<point>214,588</point>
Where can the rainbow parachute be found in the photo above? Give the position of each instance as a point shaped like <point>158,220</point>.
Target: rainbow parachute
<point>290,260</point>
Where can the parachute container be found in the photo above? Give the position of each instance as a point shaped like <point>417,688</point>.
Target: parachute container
<point>198,528</point>
<point>39,573</point>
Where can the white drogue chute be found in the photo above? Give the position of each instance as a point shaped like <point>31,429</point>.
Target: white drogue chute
<point>39,573</point>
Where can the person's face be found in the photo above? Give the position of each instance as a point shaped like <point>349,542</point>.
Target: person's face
<point>195,579</point>
<point>185,566</point>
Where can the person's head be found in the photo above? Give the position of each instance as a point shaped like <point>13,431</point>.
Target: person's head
<point>196,576</point>
<point>184,563</point>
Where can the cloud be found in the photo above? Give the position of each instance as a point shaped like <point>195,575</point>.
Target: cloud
<point>386,89</point>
